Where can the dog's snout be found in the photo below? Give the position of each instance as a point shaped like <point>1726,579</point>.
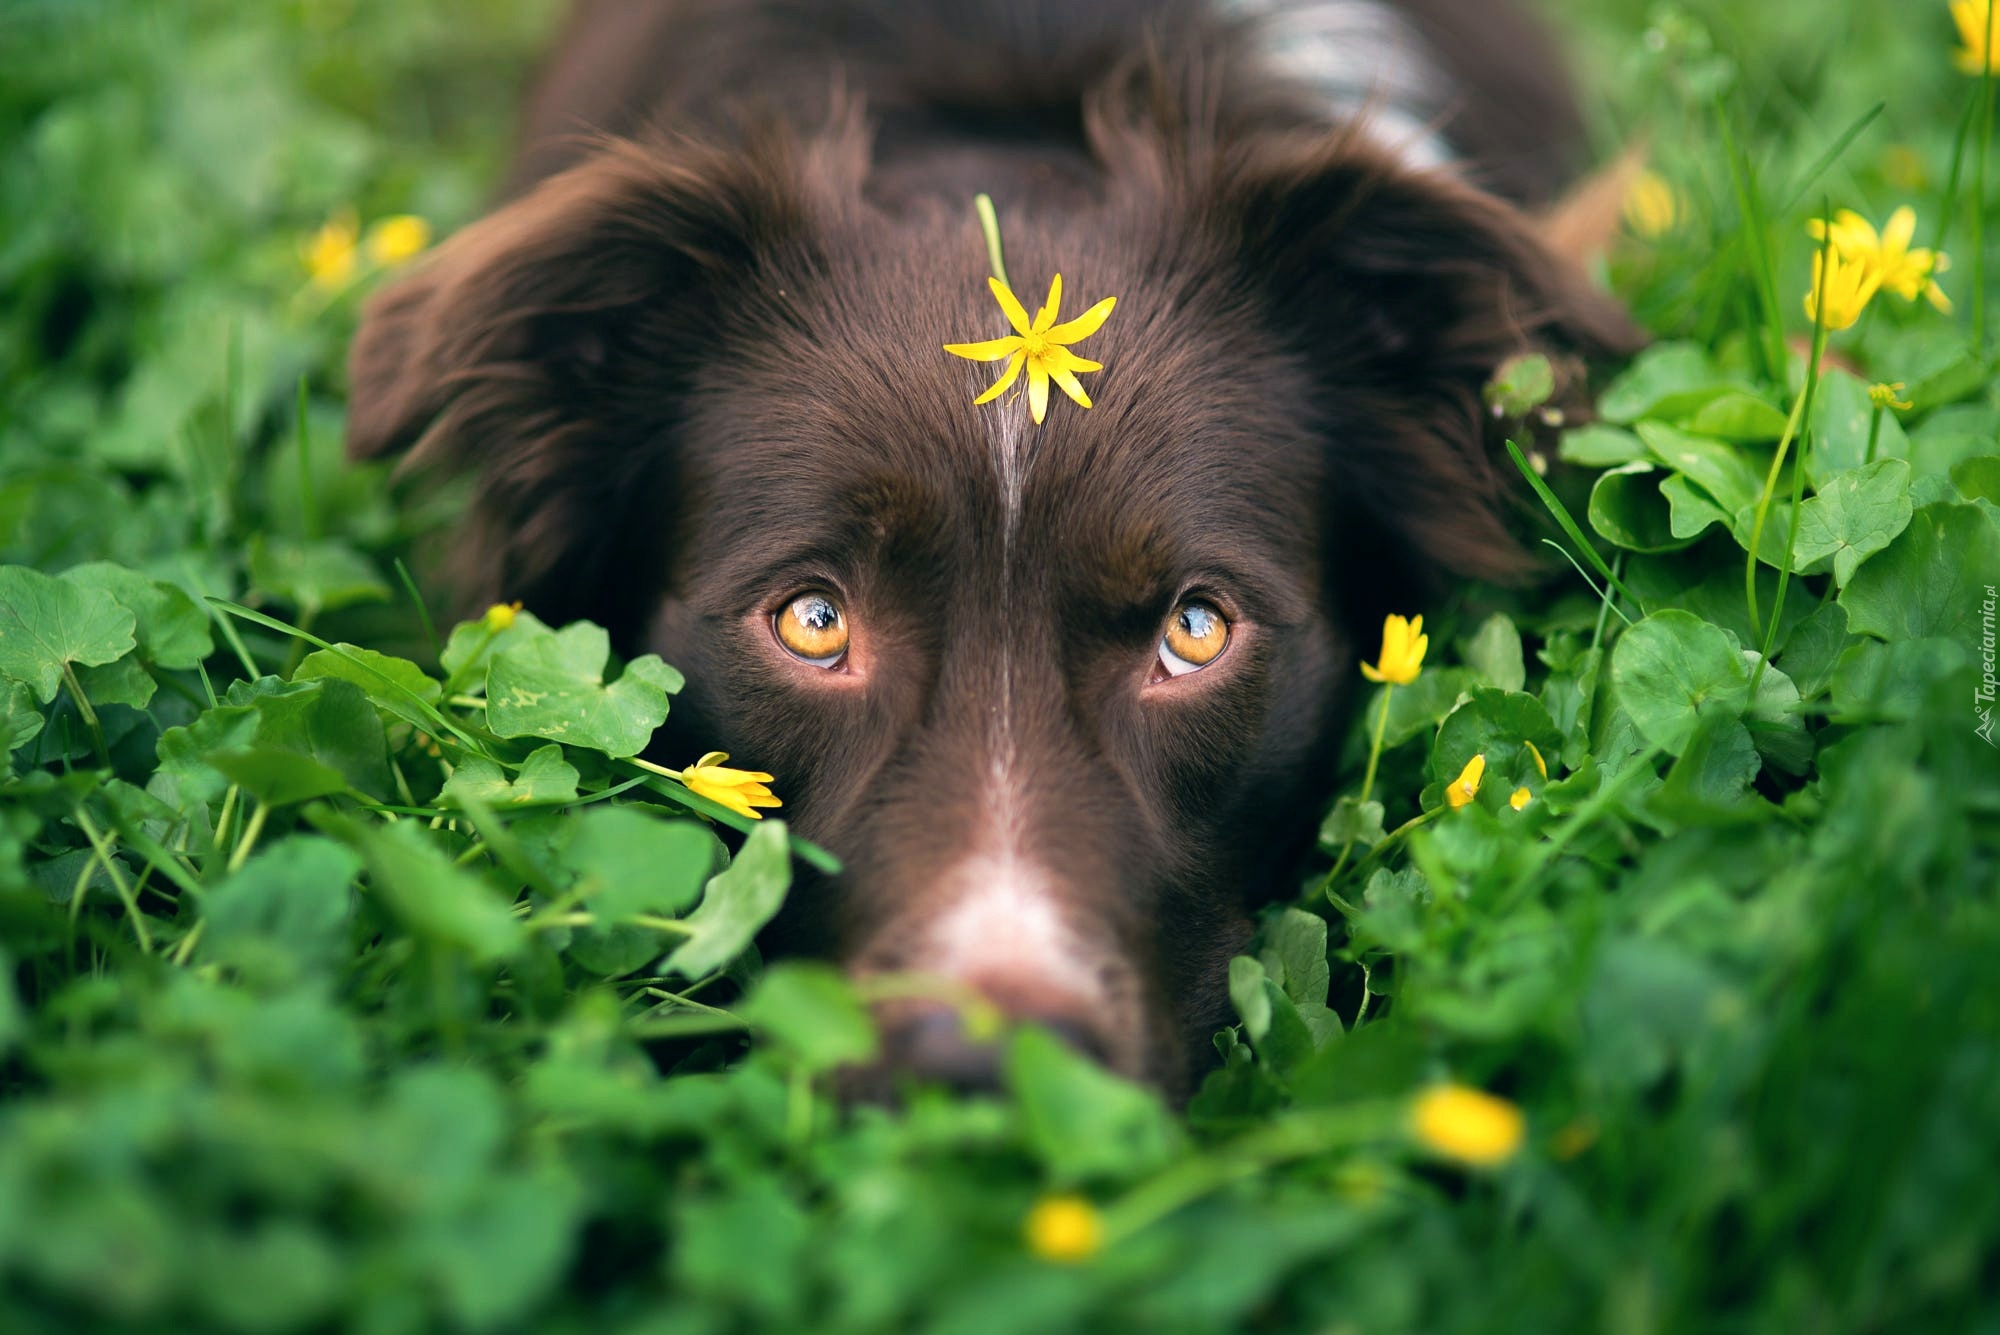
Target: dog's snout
<point>936,1044</point>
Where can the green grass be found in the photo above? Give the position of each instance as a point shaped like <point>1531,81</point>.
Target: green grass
<point>330,1001</point>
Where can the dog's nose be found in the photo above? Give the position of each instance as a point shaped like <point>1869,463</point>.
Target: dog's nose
<point>932,1044</point>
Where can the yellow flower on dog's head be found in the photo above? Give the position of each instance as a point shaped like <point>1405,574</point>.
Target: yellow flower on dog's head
<point>740,790</point>
<point>1040,345</point>
<point>1402,657</point>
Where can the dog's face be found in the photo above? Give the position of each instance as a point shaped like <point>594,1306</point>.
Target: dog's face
<point>1063,697</point>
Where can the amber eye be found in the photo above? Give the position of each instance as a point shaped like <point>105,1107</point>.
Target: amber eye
<point>1196,637</point>
<point>812,628</point>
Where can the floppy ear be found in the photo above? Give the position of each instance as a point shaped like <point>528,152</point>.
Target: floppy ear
<point>546,350</point>
<point>1403,292</point>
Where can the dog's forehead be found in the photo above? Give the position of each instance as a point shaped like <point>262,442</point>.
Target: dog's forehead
<point>850,395</point>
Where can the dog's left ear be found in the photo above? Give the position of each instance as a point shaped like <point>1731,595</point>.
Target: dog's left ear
<point>1402,292</point>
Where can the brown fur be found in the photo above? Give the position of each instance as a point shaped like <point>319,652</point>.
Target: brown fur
<point>695,373</point>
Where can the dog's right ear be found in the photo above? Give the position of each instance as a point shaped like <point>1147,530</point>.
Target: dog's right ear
<point>546,350</point>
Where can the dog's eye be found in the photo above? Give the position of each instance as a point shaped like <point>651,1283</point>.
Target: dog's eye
<point>812,629</point>
<point>1196,637</point>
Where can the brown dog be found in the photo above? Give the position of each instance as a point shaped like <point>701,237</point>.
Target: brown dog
<point>1064,696</point>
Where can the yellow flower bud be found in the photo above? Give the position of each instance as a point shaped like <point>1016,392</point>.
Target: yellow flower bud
<point>501,615</point>
<point>1520,798</point>
<point>396,238</point>
<point>1466,786</point>
<point>1066,1229</point>
<point>1467,1124</point>
<point>1402,657</point>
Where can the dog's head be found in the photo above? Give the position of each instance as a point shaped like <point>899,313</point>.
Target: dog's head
<point>1064,698</point>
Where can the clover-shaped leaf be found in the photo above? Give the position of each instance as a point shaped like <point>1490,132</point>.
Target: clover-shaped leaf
<point>47,624</point>
<point>553,686</point>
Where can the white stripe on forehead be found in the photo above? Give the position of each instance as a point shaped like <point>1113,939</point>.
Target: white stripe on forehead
<point>1358,59</point>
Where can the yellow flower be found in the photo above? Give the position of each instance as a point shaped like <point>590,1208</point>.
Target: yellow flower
<point>1652,206</point>
<point>1975,29</point>
<point>1402,657</point>
<point>1846,287</point>
<point>1467,1124</point>
<point>1064,1228</point>
<point>738,789</point>
<point>1041,345</point>
<point>1905,270</point>
<point>1887,396</point>
<point>1520,798</point>
<point>501,615</point>
<point>396,238</point>
<point>1466,786</point>
<point>329,255</point>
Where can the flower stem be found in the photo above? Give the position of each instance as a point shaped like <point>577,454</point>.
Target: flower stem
<point>1874,435</point>
<point>660,770</point>
<point>1367,785</point>
<point>88,715</point>
<point>1794,424</point>
<point>1978,239</point>
<point>989,226</point>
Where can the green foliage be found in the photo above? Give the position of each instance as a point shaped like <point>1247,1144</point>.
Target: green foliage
<point>354,981</point>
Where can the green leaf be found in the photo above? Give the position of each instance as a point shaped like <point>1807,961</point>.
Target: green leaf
<point>470,650</point>
<point>629,862</point>
<point>1419,707</point>
<point>1080,1120</point>
<point>544,777</point>
<point>281,778</point>
<point>1889,683</point>
<point>314,576</point>
<point>1738,417</point>
<point>1247,994</point>
<point>1978,479</point>
<point>172,629</point>
<point>553,686</point>
<point>1523,383</point>
<point>1294,955</point>
<point>811,1013</point>
<point>329,721</point>
<point>1495,653</point>
<point>20,721</point>
<point>1690,510</point>
<point>1351,821</point>
<point>736,904</point>
<point>395,685</point>
<point>1666,382</point>
<point>1599,445</point>
<point>289,903</point>
<point>1672,671</point>
<point>1929,582</point>
<point>435,899</point>
<point>1812,648</point>
<point>1628,510</point>
<point>47,623</point>
<point>1495,724</point>
<point>1720,470</point>
<point>1854,516</point>
<point>1842,414</point>
<point>125,682</point>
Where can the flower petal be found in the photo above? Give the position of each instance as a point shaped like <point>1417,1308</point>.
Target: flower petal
<point>1046,316</point>
<point>1038,390</point>
<point>1069,361</point>
<point>1084,325</point>
<point>992,350</point>
<point>1007,377</point>
<point>1900,230</point>
<point>1009,303</point>
<point>1069,385</point>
